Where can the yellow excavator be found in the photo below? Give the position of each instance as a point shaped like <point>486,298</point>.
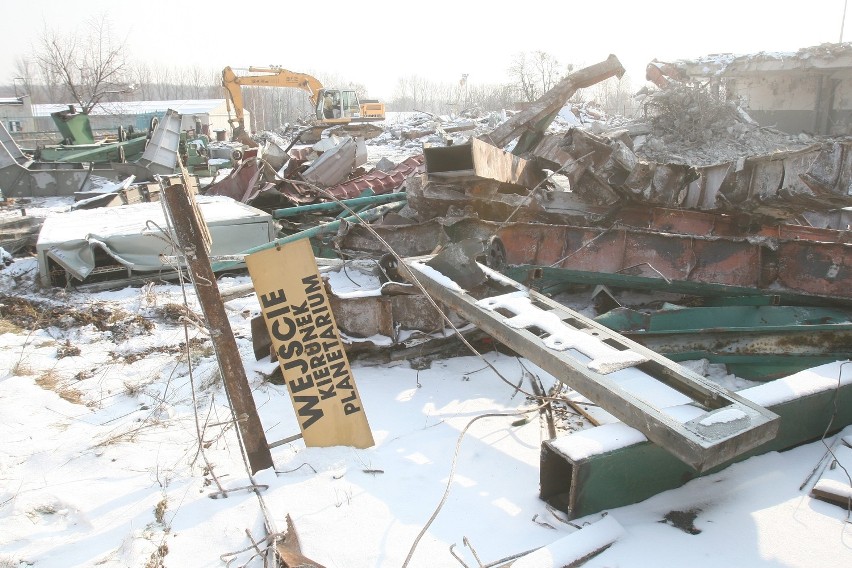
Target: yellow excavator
<point>331,106</point>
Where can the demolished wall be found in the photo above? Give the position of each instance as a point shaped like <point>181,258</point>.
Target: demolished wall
<point>805,91</point>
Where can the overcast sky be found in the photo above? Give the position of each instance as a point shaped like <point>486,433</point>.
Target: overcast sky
<point>375,42</point>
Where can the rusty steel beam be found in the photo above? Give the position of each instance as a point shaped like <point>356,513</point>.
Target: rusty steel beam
<point>550,102</point>
<point>786,266</point>
<point>604,366</point>
<point>191,235</point>
<point>705,223</point>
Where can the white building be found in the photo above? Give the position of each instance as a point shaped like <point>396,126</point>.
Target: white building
<point>108,116</point>
<point>16,113</point>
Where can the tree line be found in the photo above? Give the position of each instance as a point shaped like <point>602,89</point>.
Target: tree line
<point>89,66</point>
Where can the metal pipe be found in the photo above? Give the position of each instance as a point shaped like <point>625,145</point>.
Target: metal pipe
<point>332,206</point>
<point>368,215</point>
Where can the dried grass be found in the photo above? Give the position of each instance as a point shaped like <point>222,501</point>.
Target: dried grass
<point>51,381</point>
<point>160,511</point>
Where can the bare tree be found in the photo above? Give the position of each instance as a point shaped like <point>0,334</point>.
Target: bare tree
<point>90,63</point>
<point>25,73</point>
<point>142,78</point>
<point>162,77</point>
<point>535,73</point>
<point>615,96</point>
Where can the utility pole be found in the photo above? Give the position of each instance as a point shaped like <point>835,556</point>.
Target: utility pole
<point>843,21</point>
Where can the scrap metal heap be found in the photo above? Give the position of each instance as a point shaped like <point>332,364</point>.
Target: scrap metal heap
<point>758,223</point>
<point>744,223</point>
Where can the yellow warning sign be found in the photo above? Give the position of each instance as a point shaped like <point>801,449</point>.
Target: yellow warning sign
<point>304,335</point>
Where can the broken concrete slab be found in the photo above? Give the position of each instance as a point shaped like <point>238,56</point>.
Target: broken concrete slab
<point>796,91</point>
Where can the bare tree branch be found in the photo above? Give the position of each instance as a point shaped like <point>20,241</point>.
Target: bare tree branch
<point>89,63</point>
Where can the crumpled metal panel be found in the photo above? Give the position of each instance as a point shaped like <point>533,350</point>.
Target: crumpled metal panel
<point>334,165</point>
<point>240,185</point>
<point>130,241</point>
<point>22,177</point>
<point>830,174</point>
<point>661,184</point>
<point>780,185</point>
<point>161,153</point>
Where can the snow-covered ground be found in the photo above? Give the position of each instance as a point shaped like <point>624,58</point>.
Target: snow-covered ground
<point>102,406</point>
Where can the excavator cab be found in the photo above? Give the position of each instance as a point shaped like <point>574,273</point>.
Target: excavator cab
<point>337,106</point>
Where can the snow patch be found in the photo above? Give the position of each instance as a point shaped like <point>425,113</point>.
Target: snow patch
<point>723,417</point>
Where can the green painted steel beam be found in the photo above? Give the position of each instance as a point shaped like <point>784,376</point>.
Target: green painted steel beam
<point>733,319</point>
<point>546,276</point>
<point>761,367</point>
<point>332,227</point>
<point>636,472</point>
<point>333,206</point>
<point>756,342</point>
<point>98,153</point>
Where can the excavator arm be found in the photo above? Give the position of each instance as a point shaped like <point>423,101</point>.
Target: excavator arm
<point>265,77</point>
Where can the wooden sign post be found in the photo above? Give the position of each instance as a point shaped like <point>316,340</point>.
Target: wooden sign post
<point>304,335</point>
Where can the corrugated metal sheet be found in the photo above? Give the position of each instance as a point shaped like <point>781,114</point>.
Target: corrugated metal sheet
<point>378,181</point>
